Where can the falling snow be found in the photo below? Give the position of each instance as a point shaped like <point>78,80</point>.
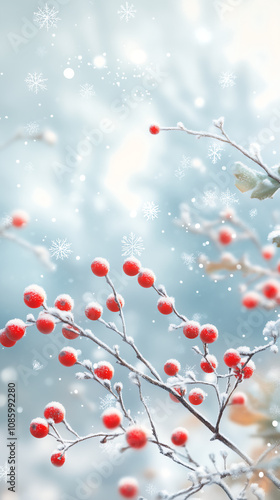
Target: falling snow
<point>214,152</point>
<point>127,12</point>
<point>87,91</point>
<point>60,249</point>
<point>228,199</point>
<point>188,258</point>
<point>210,198</point>
<point>185,163</point>
<point>106,402</point>
<point>227,79</point>
<point>36,365</point>
<point>35,82</point>
<point>150,210</point>
<point>46,17</point>
<point>32,128</point>
<point>253,212</point>
<point>132,245</point>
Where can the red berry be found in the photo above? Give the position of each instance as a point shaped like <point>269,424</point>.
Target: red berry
<point>19,218</point>
<point>245,372</point>
<point>57,459</point>
<point>112,304</point>
<point>5,341</point>
<point>232,358</point>
<point>128,487</point>
<point>225,236</point>
<point>132,266</point>
<point>154,129</point>
<point>34,296</point>
<point>15,329</point>
<point>136,436</point>
<point>68,356</point>
<point>165,305</point>
<point>270,289</point>
<point>181,392</point>
<point>208,334</point>
<point>238,398</point>
<point>93,311</point>
<point>179,436</point>
<point>278,267</point>
<point>45,323</point>
<point>191,329</point>
<point>104,370</point>
<point>55,411</point>
<point>70,333</point>
<point>64,302</point>
<point>196,396</point>
<point>146,278</point>
<point>172,367</point>
<point>209,364</point>
<point>112,418</point>
<point>100,267</point>
<point>39,427</point>
<point>251,300</point>
<point>268,252</point>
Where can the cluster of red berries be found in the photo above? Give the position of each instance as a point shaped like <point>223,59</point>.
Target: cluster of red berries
<point>39,427</point>
<point>270,289</point>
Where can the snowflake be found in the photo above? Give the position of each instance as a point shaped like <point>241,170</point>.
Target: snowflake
<point>46,17</point>
<point>210,198</point>
<point>132,245</point>
<point>60,249</point>
<point>4,470</point>
<point>32,128</point>
<point>227,79</point>
<point>214,152</point>
<point>36,365</point>
<point>185,162</point>
<point>106,402</point>
<point>127,12</point>
<point>35,82</point>
<point>86,90</point>
<point>180,172</point>
<point>227,198</point>
<point>6,220</point>
<point>188,258</point>
<point>150,210</point>
<point>253,212</point>
<point>151,489</point>
<point>197,317</point>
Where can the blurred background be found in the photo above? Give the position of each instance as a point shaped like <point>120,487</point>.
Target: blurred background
<point>79,92</point>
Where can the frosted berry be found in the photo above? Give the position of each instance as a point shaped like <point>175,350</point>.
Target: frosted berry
<point>244,371</point>
<point>100,267</point>
<point>191,329</point>
<point>64,302</point>
<point>112,304</point>
<point>209,364</point>
<point>39,427</point>
<point>208,334</point>
<point>128,487</point>
<point>45,323</point>
<point>5,341</point>
<point>68,356</point>
<point>34,296</point>
<point>136,436</point>
<point>19,218</point>
<point>131,266</point>
<point>55,411</point>
<point>165,305</point>
<point>15,329</point>
<point>270,289</point>
<point>251,300</point>
<point>225,236</point>
<point>181,392</point>
<point>146,278</point>
<point>112,418</point>
<point>154,129</point>
<point>196,396</point>
<point>232,358</point>
<point>93,311</point>
<point>57,459</point>
<point>238,398</point>
<point>172,367</point>
<point>104,370</point>
<point>70,333</point>
<point>179,436</point>
<point>268,252</point>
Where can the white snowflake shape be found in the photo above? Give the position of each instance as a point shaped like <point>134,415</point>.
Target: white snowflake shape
<point>4,470</point>
<point>35,82</point>
<point>214,152</point>
<point>127,12</point>
<point>36,365</point>
<point>227,79</point>
<point>253,212</point>
<point>107,402</point>
<point>227,198</point>
<point>86,90</point>
<point>180,172</point>
<point>32,128</point>
<point>46,17</point>
<point>210,198</point>
<point>6,220</point>
<point>188,258</point>
<point>132,245</point>
<point>150,210</point>
<point>185,163</point>
<point>151,489</point>
<point>60,249</point>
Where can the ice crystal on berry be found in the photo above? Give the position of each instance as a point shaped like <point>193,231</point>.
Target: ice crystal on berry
<point>150,210</point>
<point>132,245</point>
<point>46,17</point>
<point>127,12</point>
<point>60,249</point>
